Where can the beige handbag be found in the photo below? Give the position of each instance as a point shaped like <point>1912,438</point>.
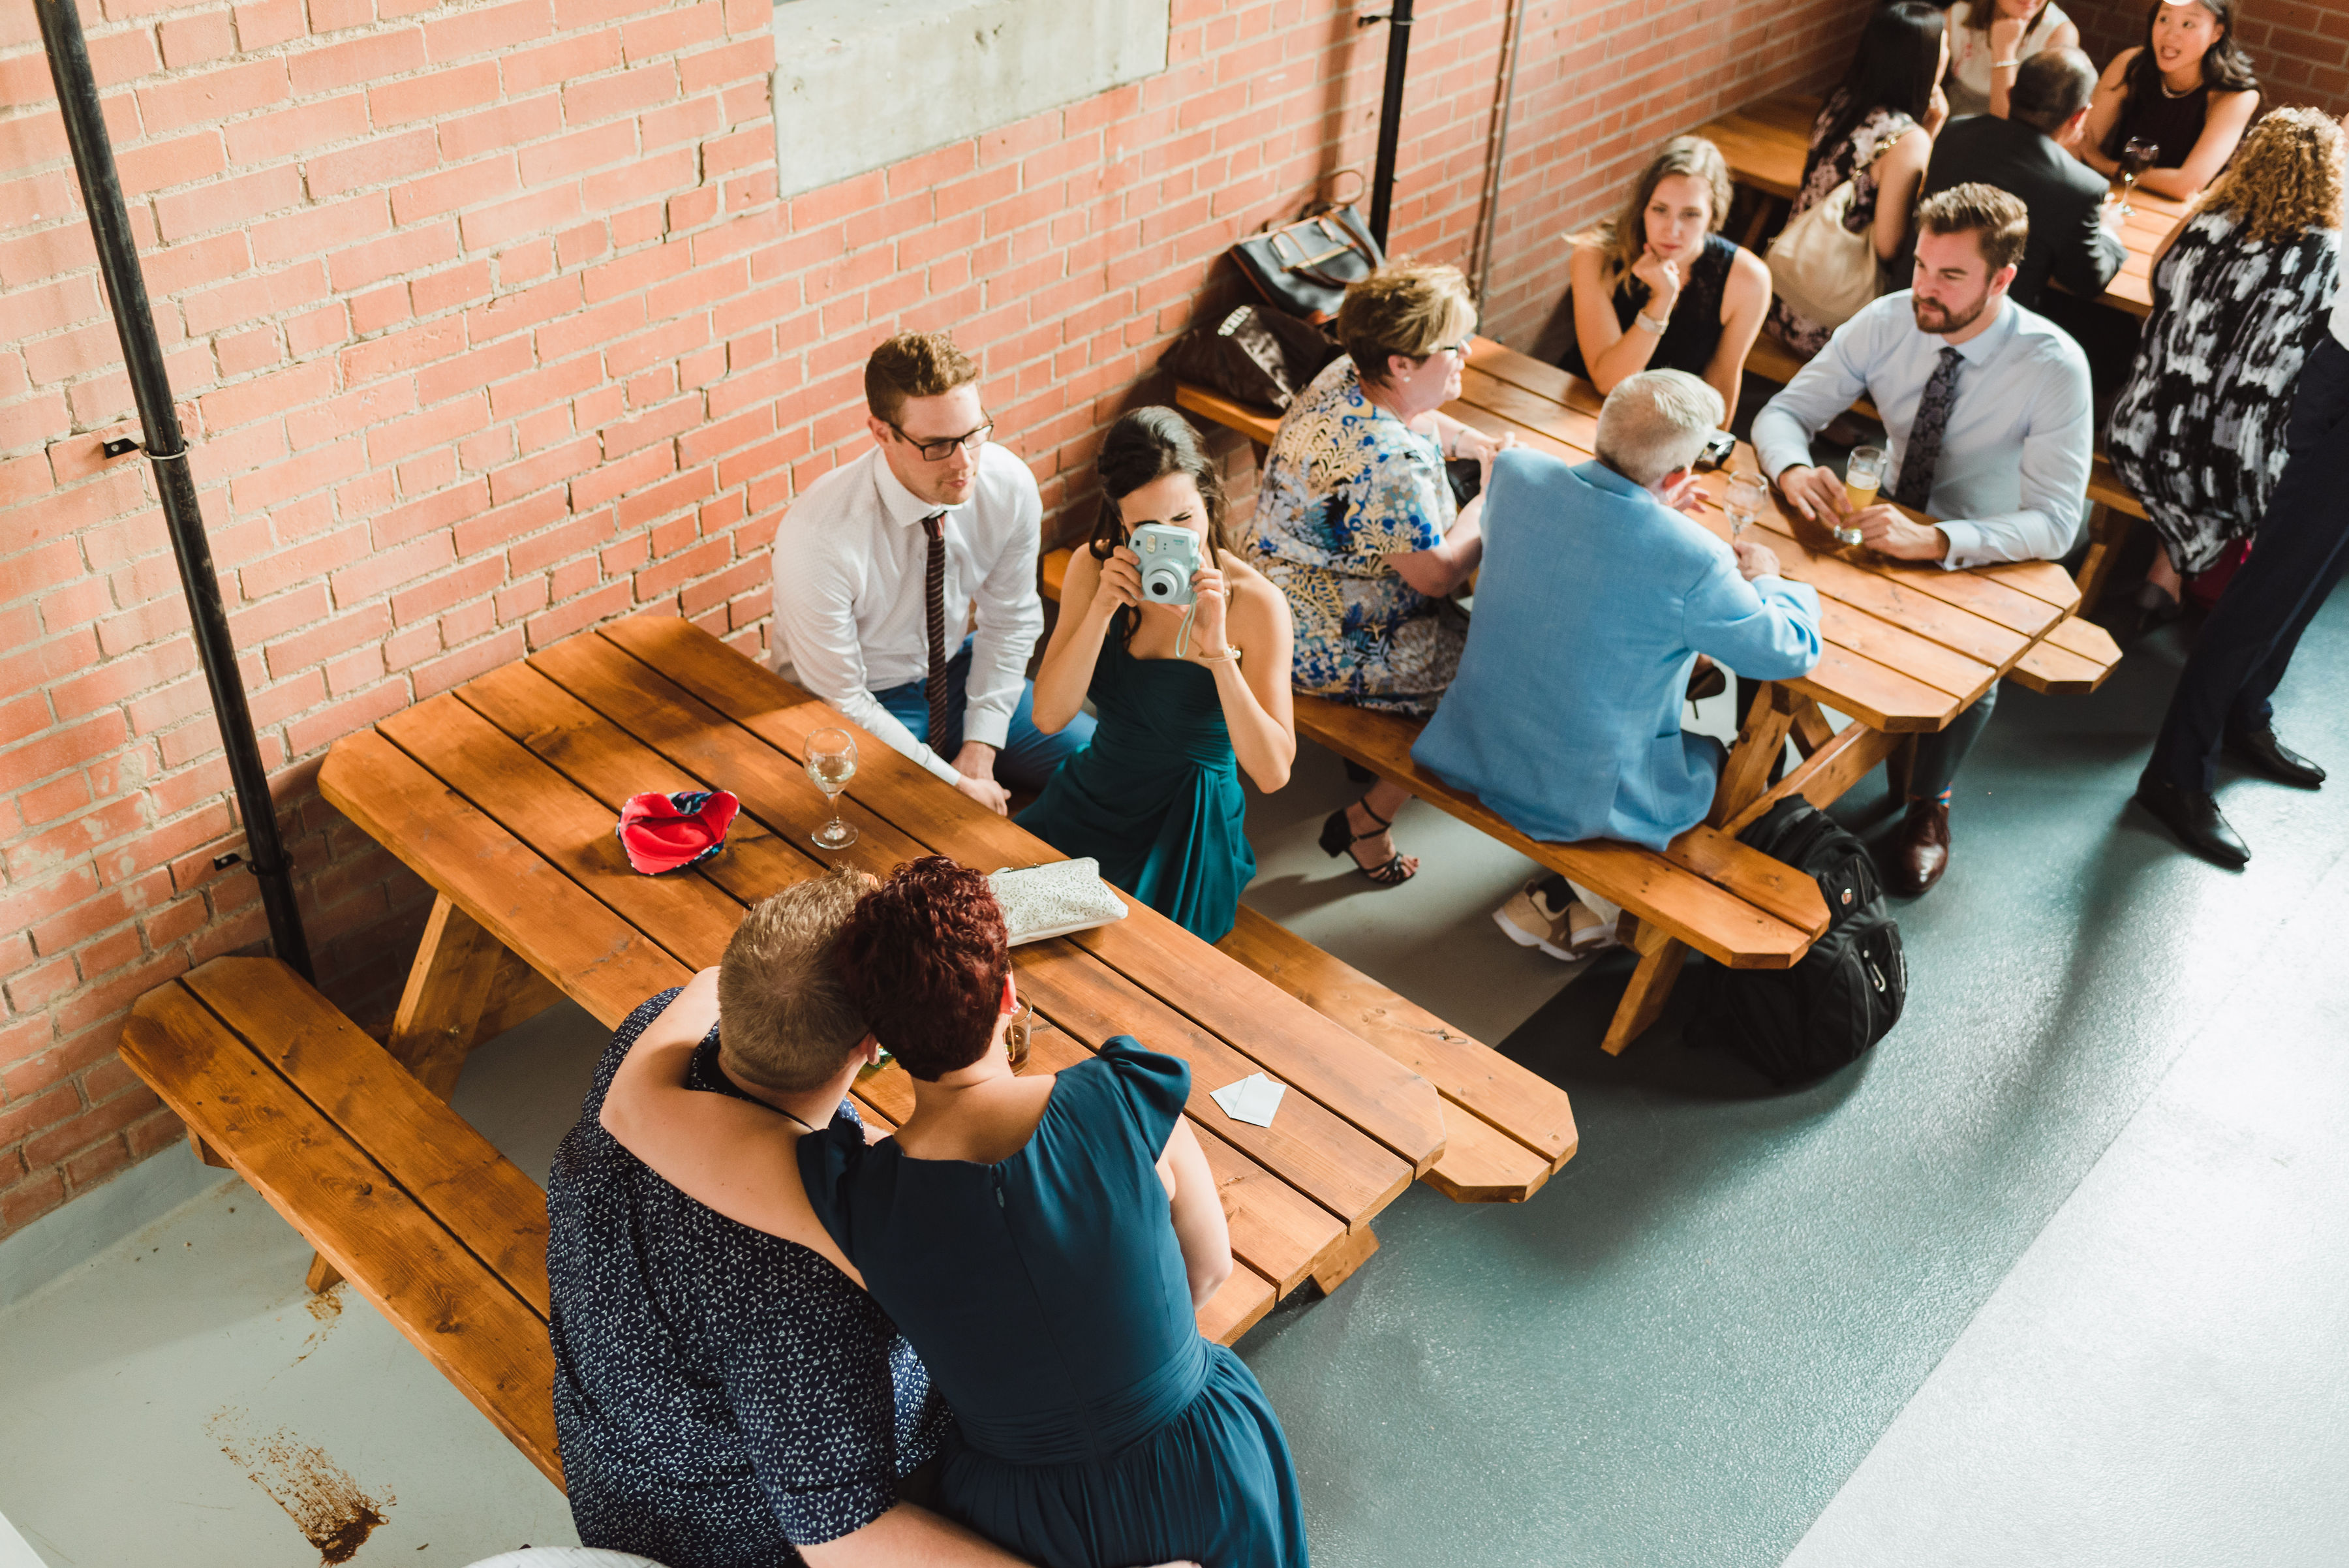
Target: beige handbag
<point>1041,901</point>
<point>1822,270</point>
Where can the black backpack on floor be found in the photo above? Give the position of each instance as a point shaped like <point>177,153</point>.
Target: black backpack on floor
<point>1800,1024</point>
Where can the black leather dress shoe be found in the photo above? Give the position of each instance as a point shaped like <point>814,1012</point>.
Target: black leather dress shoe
<point>2264,753</point>
<point>2196,819</point>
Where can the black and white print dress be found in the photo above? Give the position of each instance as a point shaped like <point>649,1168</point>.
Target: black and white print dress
<point>2199,431</point>
<point>720,1392</point>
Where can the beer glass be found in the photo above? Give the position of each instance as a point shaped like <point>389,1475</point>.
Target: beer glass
<point>1862,476</point>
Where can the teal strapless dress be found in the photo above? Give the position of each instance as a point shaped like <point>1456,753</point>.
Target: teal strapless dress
<point>1048,1298</point>
<point>1156,797</point>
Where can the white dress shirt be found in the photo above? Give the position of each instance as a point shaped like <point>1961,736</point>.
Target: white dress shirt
<point>2013,470</point>
<point>850,558</point>
<point>2341,318</point>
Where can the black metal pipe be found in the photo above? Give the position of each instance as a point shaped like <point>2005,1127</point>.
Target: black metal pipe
<point>150,390</point>
<point>1382,176</point>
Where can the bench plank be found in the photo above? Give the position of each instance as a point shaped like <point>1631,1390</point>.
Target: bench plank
<point>479,1195</point>
<point>1289,1040</point>
<point>481,1336</point>
<point>1725,927</point>
<point>1531,1109</point>
<point>1257,424</point>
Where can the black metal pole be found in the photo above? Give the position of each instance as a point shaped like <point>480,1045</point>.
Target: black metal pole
<point>151,388</point>
<point>1382,176</point>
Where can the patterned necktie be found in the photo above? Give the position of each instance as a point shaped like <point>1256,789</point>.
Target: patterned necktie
<point>1924,453</point>
<point>934,596</point>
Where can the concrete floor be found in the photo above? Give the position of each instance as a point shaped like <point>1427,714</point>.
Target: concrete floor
<point>2052,1277</point>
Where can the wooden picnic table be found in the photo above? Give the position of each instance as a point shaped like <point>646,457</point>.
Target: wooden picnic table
<point>1765,143</point>
<point>503,793</point>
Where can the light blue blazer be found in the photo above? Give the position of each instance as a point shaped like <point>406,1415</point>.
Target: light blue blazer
<point>1594,600</point>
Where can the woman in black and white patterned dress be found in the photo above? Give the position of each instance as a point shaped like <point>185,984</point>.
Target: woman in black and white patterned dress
<point>2242,289</point>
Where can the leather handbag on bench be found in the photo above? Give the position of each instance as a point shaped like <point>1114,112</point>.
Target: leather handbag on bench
<point>1257,356</point>
<point>1304,267</point>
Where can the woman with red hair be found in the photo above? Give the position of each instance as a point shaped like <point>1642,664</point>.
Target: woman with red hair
<point>1042,1240</point>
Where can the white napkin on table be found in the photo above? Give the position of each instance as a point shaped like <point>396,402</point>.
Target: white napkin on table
<point>1251,1100</point>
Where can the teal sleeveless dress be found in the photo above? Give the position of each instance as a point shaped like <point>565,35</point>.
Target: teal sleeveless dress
<point>1155,797</point>
<point>1047,1296</point>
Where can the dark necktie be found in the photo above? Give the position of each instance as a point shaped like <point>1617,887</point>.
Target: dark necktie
<point>1924,453</point>
<point>934,598</point>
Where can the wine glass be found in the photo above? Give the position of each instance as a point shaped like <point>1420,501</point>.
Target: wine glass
<point>1744,500</point>
<point>2137,156</point>
<point>831,763</point>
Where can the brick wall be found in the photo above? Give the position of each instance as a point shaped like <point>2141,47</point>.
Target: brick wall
<point>2300,48</point>
<point>487,325</point>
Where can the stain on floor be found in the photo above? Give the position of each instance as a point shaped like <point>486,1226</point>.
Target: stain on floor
<point>322,1499</point>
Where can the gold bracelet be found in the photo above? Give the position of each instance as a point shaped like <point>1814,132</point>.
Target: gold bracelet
<point>1231,655</point>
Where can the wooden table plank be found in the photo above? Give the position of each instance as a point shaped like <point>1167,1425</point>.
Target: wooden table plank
<point>479,1335</point>
<point>764,853</point>
<point>560,929</point>
<point>455,1174</point>
<point>1294,1043</point>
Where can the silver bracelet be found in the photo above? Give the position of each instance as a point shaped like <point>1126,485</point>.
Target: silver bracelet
<point>1651,324</point>
<point>1231,655</point>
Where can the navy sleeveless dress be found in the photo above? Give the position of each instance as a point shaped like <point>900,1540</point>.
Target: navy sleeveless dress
<point>1047,1297</point>
<point>1155,795</point>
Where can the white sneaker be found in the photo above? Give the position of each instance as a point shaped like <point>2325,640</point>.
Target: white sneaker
<point>1566,932</point>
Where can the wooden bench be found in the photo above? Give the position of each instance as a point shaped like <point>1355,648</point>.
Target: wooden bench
<point>1730,903</point>
<point>400,1197</point>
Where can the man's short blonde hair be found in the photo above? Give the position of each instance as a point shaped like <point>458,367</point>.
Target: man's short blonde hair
<point>914,364</point>
<point>784,1022</point>
<point>1407,310</point>
<point>1656,421</point>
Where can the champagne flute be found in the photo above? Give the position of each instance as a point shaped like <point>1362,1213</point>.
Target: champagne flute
<point>1744,500</point>
<point>1862,476</point>
<point>831,763</point>
<point>2137,156</point>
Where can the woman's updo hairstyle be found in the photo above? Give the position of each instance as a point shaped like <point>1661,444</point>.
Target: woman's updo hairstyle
<point>1144,445</point>
<point>923,957</point>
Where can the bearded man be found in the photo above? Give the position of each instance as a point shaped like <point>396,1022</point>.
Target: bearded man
<point>1992,425</point>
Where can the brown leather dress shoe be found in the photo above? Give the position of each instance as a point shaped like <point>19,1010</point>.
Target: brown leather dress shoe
<point>1921,852</point>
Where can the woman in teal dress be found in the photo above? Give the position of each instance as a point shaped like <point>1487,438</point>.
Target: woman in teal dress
<point>1184,697</point>
<point>1044,1241</point>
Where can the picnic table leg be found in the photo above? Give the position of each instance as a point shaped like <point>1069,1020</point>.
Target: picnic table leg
<point>1810,729</point>
<point>447,992</point>
<point>1338,1265</point>
<point>1760,742</point>
<point>204,1152</point>
<point>1660,957</point>
<point>2108,530</point>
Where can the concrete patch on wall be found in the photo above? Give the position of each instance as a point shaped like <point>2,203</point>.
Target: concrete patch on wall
<point>860,84</point>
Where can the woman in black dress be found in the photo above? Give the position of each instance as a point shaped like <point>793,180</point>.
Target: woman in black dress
<point>1660,288</point>
<point>2242,289</point>
<point>2188,89</point>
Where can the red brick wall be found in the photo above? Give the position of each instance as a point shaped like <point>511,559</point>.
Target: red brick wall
<point>2300,48</point>
<point>487,325</point>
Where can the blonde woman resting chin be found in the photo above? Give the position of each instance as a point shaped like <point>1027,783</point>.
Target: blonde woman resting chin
<point>1044,1241</point>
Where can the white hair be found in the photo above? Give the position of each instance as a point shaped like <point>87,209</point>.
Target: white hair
<point>1656,421</point>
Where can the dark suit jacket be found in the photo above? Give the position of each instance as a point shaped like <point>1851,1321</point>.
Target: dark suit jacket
<point>2069,241</point>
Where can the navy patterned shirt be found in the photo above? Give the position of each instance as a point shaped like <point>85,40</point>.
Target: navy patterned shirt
<point>720,1392</point>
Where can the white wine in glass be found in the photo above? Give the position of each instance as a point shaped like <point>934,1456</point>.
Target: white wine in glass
<point>831,763</point>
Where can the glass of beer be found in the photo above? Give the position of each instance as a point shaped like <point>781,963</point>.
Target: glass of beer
<point>1862,476</point>
<point>831,763</point>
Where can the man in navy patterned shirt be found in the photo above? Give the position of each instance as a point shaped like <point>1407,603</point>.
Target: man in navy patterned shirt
<point>724,1397</point>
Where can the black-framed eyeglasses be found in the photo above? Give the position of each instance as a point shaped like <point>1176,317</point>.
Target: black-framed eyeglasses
<point>1460,351</point>
<point>939,451</point>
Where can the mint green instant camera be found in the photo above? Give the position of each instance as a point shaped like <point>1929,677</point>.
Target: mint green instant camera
<point>1169,555</point>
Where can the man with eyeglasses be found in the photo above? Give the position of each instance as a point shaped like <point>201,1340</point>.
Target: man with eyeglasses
<point>905,581</point>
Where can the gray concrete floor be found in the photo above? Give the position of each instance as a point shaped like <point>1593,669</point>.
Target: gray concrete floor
<point>2052,1277</point>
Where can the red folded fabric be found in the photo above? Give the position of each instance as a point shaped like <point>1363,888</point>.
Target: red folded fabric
<point>665,832</point>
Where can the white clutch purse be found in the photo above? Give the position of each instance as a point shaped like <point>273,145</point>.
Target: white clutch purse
<point>1041,901</point>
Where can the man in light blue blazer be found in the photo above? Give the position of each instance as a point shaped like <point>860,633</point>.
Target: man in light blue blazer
<point>1596,597</point>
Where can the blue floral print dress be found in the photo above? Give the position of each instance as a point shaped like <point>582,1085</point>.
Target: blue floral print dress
<point>1347,484</point>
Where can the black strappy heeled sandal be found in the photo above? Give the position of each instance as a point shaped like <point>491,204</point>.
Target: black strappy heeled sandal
<point>1339,837</point>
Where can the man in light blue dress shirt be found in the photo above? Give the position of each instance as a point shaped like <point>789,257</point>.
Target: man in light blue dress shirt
<point>1597,597</point>
<point>1992,428</point>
